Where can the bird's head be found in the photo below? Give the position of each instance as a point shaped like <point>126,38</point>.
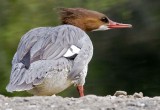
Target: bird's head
<point>88,20</point>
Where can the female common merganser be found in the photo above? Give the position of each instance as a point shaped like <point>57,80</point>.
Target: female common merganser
<point>50,59</point>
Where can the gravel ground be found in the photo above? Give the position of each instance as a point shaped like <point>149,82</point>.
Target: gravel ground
<point>120,101</point>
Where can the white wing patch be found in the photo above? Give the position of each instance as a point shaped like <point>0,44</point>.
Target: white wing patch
<point>72,51</point>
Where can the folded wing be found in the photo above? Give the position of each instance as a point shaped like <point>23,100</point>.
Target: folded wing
<point>41,45</point>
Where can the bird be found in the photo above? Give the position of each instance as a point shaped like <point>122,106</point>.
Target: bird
<point>48,60</point>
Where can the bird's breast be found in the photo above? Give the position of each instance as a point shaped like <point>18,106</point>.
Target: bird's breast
<point>54,82</point>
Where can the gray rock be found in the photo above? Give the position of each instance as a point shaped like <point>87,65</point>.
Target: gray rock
<point>89,102</point>
<point>138,95</point>
<point>120,93</point>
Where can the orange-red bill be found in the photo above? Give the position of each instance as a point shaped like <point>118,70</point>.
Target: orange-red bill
<point>113,25</point>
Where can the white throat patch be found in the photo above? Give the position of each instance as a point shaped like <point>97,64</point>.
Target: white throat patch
<point>102,28</point>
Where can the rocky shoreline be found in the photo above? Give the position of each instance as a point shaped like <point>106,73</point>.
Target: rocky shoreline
<point>120,101</point>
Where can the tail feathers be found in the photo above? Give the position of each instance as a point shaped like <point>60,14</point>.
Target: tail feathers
<point>17,82</point>
<point>22,87</point>
<point>19,79</point>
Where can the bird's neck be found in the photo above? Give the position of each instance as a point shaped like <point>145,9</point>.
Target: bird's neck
<point>78,23</point>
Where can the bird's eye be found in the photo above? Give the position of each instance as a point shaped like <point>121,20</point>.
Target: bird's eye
<point>104,19</point>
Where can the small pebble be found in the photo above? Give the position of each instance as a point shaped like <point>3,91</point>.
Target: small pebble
<point>9,109</point>
<point>119,93</point>
<point>6,104</point>
<point>138,95</point>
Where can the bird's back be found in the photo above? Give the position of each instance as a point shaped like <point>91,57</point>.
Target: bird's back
<point>41,53</point>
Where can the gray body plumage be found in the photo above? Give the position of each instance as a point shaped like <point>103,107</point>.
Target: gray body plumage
<point>39,65</point>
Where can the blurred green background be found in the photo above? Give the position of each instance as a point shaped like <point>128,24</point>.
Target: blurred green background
<point>124,59</point>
